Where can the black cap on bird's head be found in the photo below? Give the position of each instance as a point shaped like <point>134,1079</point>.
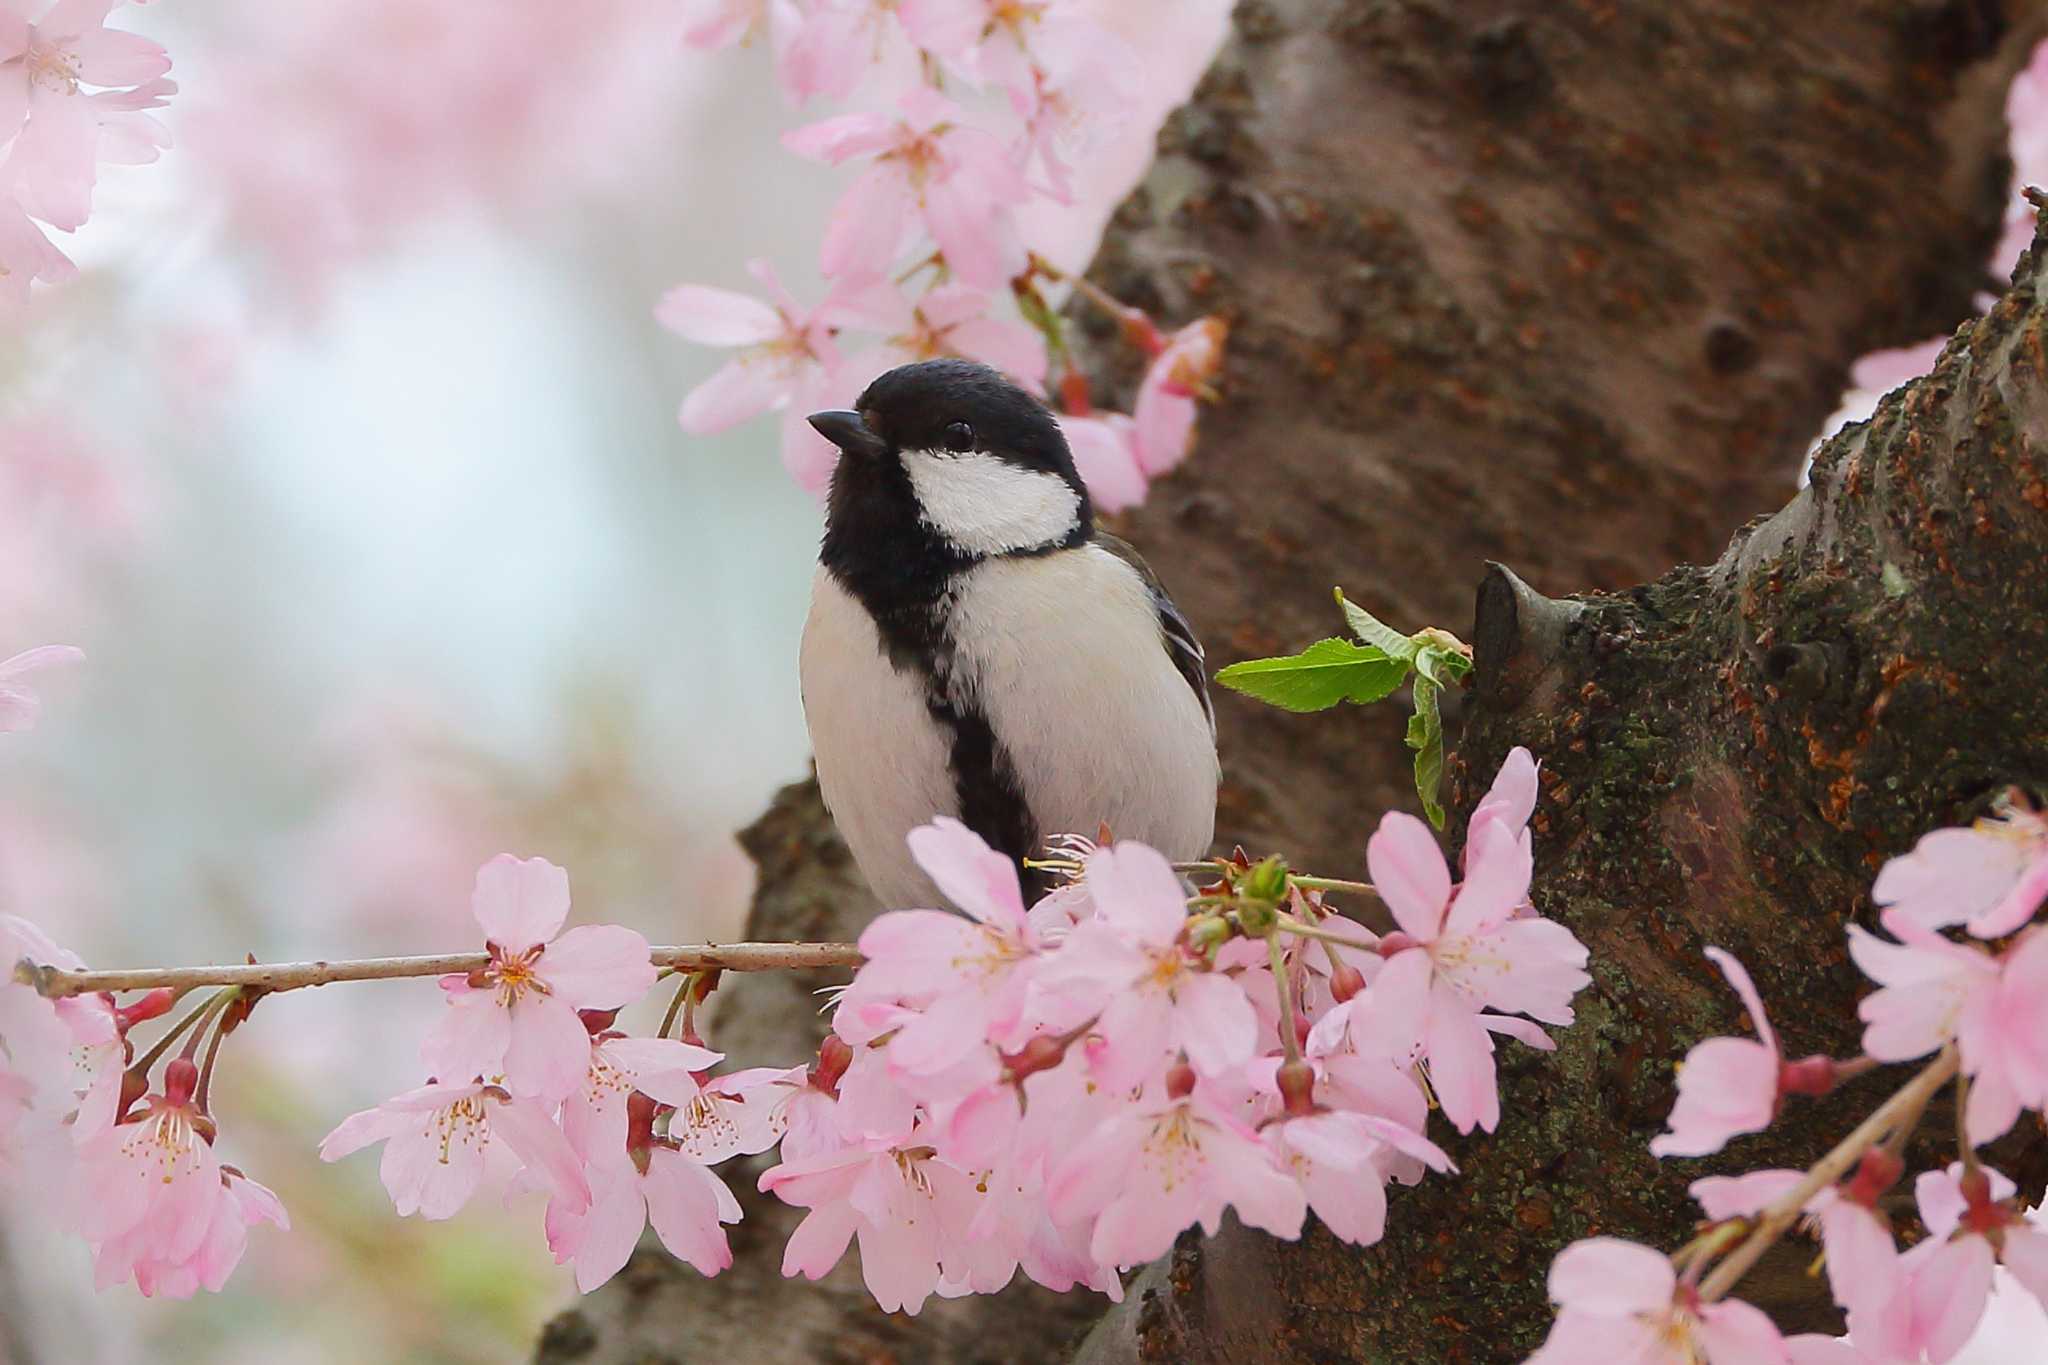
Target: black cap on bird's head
<point>952,449</point>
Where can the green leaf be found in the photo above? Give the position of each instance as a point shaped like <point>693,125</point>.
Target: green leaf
<point>1442,664</point>
<point>1375,632</point>
<point>1426,738</point>
<point>1327,672</point>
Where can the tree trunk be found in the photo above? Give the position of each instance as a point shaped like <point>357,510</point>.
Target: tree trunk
<point>1568,286</point>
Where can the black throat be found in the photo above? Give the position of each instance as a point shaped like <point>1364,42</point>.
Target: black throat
<point>899,569</point>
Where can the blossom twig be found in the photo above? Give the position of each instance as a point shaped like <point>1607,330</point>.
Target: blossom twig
<point>1911,1098</point>
<point>58,982</point>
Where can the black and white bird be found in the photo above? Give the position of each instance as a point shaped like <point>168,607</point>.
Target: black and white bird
<point>976,648</point>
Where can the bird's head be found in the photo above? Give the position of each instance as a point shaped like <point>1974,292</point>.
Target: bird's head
<point>951,450</point>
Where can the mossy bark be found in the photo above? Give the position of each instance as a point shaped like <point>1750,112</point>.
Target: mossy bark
<point>1567,286</point>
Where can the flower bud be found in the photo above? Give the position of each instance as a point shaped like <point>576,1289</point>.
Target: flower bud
<point>1297,1088</point>
<point>1346,981</point>
<point>1180,1080</point>
<point>1208,932</point>
<point>151,1005</point>
<point>597,1021</point>
<point>1813,1075</point>
<point>181,1078</point>
<point>1877,1172</point>
<point>1042,1053</point>
<point>1267,879</point>
<point>834,1056</point>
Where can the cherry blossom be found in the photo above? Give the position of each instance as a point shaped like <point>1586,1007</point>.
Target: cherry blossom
<point>646,1179</point>
<point>1461,952</point>
<point>1990,877</point>
<point>1131,962</point>
<point>53,122</point>
<point>18,704</point>
<point>594,1116</point>
<point>148,1186</point>
<point>786,360</point>
<point>1994,1008</point>
<point>927,166</point>
<point>1152,1170</point>
<point>26,255</point>
<point>746,1112</point>
<point>1726,1086</point>
<point>437,1139</point>
<point>517,1017</point>
<point>1962,1205</point>
<point>1620,1301</point>
<point>721,23</point>
<point>909,1211</point>
<point>1178,375</point>
<point>1934,1307</point>
<point>241,1204</point>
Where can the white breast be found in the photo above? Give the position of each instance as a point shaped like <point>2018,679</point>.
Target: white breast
<point>882,759</point>
<point>1062,653</point>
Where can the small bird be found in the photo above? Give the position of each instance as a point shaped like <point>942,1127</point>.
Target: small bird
<point>977,648</point>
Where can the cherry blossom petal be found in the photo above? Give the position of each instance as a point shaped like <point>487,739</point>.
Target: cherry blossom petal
<point>1745,990</point>
<point>470,1038</point>
<point>548,1052</point>
<point>685,1211</point>
<point>1727,1086</point>
<point>1409,872</point>
<point>1461,1063</point>
<point>738,391</point>
<point>1611,1277</point>
<point>717,317</point>
<point>1736,1333</point>
<point>521,903</point>
<point>1136,889</point>
<point>969,873</point>
<point>1214,1022</point>
<point>598,966</point>
<point>534,1139</point>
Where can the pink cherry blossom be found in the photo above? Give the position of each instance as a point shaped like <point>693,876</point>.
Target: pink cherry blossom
<point>1862,1259</point>
<point>26,255</point>
<point>954,319</point>
<point>834,46</point>
<point>1955,1205</point>
<point>240,1205</point>
<point>1508,803</point>
<point>909,1211</point>
<point>1461,951</point>
<point>517,1016</point>
<point>745,1112</point>
<point>1995,1009</point>
<point>18,704</point>
<point>437,1140</point>
<point>1178,375</point>
<point>594,1116</point>
<point>1726,1086</point>
<point>1991,877</point>
<point>928,167</point>
<point>968,977</point>
<point>786,362</point>
<point>1152,1170</point>
<point>43,65</point>
<point>646,1179</point>
<point>1364,1126</point>
<point>1935,1307</point>
<point>1622,1302</point>
<point>150,1184</point>
<point>1155,996</point>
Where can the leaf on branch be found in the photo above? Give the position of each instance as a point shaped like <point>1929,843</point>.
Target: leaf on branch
<point>1327,672</point>
<point>1426,738</point>
<point>1376,632</point>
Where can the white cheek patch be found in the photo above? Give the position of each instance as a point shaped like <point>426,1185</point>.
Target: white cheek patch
<point>987,506</point>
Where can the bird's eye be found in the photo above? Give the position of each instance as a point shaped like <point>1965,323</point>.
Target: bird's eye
<point>958,436</point>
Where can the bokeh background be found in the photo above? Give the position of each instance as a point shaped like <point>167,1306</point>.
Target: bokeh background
<point>352,464</point>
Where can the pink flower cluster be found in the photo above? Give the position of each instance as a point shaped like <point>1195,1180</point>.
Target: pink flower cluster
<point>1988,998</point>
<point>135,1174</point>
<point>1063,1088</point>
<point>55,132</point>
<point>941,189</point>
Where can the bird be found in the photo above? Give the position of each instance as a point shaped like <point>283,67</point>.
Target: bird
<point>977,648</point>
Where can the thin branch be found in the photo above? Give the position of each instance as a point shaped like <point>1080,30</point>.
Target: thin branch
<point>56,982</point>
<point>1911,1098</point>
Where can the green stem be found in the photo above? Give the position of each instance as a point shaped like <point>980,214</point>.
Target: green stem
<point>212,1051</point>
<point>171,1035</point>
<point>668,1020</point>
<point>1332,884</point>
<point>1290,925</point>
<point>1284,986</point>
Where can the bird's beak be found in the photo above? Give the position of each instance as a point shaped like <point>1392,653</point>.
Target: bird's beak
<point>847,431</point>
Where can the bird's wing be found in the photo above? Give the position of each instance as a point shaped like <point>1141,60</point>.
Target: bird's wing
<point>1174,631</point>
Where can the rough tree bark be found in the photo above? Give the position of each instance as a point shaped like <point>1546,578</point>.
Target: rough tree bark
<point>1567,286</point>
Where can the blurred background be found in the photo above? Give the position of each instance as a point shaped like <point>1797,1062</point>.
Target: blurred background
<point>351,461</point>
<point>352,464</point>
